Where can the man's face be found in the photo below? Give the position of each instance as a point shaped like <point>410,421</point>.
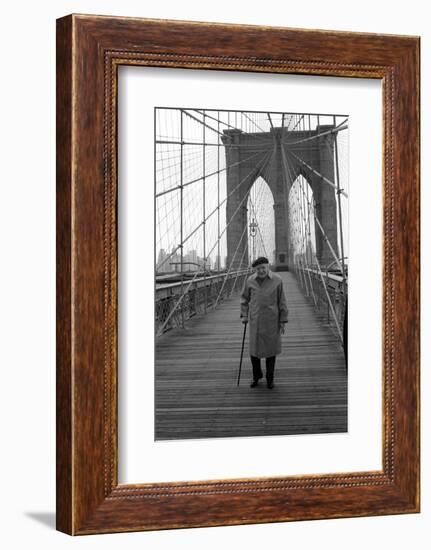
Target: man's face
<point>262,270</point>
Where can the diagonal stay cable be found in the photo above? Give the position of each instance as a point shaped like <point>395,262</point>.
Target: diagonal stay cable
<point>202,122</point>
<point>265,170</point>
<point>324,283</point>
<point>291,174</point>
<point>230,125</point>
<point>211,213</point>
<point>243,234</point>
<point>176,187</point>
<point>234,255</point>
<point>325,237</point>
<point>339,128</point>
<point>240,203</point>
<point>315,172</point>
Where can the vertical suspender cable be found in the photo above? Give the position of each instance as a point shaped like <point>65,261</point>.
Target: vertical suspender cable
<point>218,197</point>
<point>203,211</point>
<point>337,173</point>
<point>182,210</point>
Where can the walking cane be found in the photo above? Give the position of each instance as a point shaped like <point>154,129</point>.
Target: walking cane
<point>242,351</point>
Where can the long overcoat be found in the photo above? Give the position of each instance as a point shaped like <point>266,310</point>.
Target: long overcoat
<point>264,305</point>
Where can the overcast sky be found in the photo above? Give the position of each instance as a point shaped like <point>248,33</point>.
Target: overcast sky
<point>196,130</point>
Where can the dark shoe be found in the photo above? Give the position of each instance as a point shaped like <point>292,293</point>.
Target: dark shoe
<point>270,385</point>
<point>255,382</point>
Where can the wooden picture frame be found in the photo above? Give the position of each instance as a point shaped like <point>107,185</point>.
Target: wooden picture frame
<point>89,51</point>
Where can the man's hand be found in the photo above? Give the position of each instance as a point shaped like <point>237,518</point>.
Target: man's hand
<point>281,328</point>
<point>244,320</point>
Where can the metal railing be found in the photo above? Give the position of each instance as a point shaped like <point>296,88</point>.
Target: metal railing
<point>178,302</point>
<point>328,291</point>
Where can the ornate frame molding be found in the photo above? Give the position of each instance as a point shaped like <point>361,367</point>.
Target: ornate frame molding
<point>90,49</point>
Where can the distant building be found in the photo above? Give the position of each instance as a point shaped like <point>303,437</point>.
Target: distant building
<point>200,261</point>
<point>160,266</point>
<point>217,263</point>
<point>309,252</point>
<point>191,256</point>
<point>174,261</point>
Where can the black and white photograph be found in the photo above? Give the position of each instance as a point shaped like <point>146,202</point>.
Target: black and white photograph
<point>214,321</point>
<point>251,273</point>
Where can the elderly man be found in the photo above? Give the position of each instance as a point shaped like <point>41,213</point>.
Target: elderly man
<point>263,304</point>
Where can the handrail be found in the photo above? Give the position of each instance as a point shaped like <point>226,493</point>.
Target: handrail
<point>337,278</point>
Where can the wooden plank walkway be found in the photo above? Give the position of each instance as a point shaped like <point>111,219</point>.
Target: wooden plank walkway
<point>196,370</point>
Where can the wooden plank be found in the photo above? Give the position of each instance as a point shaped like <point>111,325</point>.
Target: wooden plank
<point>196,371</point>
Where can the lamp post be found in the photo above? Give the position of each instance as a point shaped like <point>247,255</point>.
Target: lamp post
<point>253,227</point>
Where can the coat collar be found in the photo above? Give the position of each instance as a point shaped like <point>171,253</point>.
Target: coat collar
<point>254,276</point>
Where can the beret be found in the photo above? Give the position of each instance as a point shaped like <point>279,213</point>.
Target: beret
<point>260,260</point>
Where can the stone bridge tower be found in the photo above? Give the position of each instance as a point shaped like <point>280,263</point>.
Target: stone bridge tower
<point>251,155</point>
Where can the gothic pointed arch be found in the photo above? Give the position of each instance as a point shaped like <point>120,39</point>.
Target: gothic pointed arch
<point>281,156</point>
<point>260,220</point>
